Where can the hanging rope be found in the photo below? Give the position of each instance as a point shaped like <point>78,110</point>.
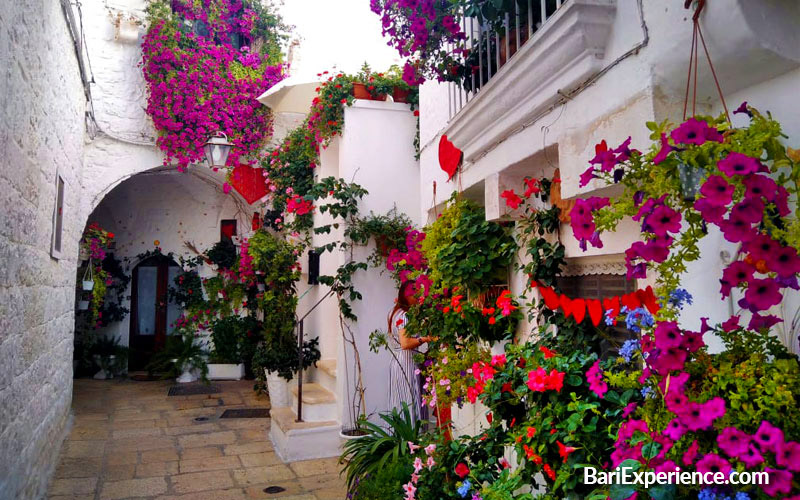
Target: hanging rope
<point>691,78</point>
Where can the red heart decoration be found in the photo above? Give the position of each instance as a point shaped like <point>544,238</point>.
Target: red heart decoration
<point>648,299</point>
<point>449,157</point>
<point>249,182</point>
<point>578,309</point>
<point>612,304</point>
<point>595,311</point>
<point>631,301</point>
<point>550,297</point>
<point>566,305</point>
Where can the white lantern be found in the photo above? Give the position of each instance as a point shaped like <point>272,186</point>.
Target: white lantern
<point>217,150</point>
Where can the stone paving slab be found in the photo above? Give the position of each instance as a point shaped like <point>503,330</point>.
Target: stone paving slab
<point>130,440</point>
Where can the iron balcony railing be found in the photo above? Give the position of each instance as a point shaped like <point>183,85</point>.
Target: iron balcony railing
<point>491,45</point>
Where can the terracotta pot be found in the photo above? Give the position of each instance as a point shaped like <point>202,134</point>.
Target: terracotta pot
<point>400,94</point>
<point>360,91</point>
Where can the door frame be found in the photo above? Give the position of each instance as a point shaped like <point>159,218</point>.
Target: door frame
<point>141,348</point>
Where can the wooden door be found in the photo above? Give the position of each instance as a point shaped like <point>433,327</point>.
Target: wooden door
<point>152,313</point>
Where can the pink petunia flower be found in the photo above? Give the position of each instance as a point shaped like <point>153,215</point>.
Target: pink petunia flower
<point>738,164</point>
<point>691,453</point>
<point>736,273</point>
<point>780,481</point>
<point>733,441</point>
<point>762,294</point>
<point>760,186</point>
<point>665,150</point>
<point>675,430</point>
<point>667,335</point>
<point>751,457</point>
<point>694,131</point>
<point>711,213</point>
<point>788,455</point>
<point>768,437</point>
<point>735,229</point>
<point>713,463</point>
<point>717,190</point>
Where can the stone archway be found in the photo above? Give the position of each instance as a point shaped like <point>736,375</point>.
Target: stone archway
<point>158,210</point>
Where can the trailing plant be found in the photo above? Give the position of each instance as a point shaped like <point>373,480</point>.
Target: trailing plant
<point>388,231</point>
<point>465,250</point>
<point>282,358</point>
<point>234,339</point>
<point>223,254</point>
<point>106,347</point>
<point>205,63</point>
<point>188,290</point>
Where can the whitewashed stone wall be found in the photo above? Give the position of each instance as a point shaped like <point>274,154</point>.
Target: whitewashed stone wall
<point>41,131</point>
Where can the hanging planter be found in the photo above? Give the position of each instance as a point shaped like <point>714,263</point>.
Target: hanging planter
<point>690,177</point>
<point>88,278</point>
<point>83,305</point>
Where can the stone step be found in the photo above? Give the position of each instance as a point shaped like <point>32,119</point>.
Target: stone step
<point>325,374</point>
<point>319,404</point>
<point>306,440</point>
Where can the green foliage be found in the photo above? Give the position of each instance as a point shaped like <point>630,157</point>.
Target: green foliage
<point>388,231</point>
<point>386,484</point>
<point>234,339</point>
<point>223,254</point>
<point>104,348</point>
<point>384,444</point>
<point>282,358</point>
<point>465,250</point>
<point>181,351</point>
<point>188,290</point>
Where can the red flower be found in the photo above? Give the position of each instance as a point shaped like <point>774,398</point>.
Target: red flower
<point>416,112</point>
<point>531,432</point>
<point>462,470</point>
<point>564,451</point>
<point>550,472</point>
<point>547,352</point>
<point>512,200</point>
<point>533,187</point>
<point>489,417</point>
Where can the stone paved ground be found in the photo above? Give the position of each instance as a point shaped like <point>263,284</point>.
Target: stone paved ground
<point>131,440</point>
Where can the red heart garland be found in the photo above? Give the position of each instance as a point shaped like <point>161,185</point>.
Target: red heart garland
<point>578,309</point>
<point>648,299</point>
<point>449,156</point>
<point>612,304</point>
<point>566,305</point>
<point>549,296</point>
<point>595,311</point>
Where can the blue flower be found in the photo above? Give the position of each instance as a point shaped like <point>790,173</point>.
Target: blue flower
<point>647,392</point>
<point>628,349</point>
<point>464,488</point>
<point>608,318</point>
<point>638,318</point>
<point>741,496</point>
<point>707,494</point>
<point>678,297</point>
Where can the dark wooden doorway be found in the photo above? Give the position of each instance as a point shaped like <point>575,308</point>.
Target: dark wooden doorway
<point>152,313</point>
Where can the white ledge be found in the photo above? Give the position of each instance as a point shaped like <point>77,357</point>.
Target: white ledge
<point>566,51</point>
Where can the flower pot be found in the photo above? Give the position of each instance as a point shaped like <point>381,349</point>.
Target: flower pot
<point>225,371</point>
<point>400,94</point>
<point>360,91</point>
<point>261,287</point>
<point>88,285</point>
<point>279,394</point>
<point>104,373</point>
<point>188,374</point>
<point>83,305</point>
<point>350,433</point>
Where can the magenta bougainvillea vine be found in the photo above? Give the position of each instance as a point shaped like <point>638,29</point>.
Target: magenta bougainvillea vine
<point>205,63</point>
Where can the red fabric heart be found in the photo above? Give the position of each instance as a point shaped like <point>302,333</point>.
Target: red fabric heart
<point>612,304</point>
<point>595,311</point>
<point>566,305</point>
<point>648,299</point>
<point>631,301</point>
<point>550,297</point>
<point>249,182</point>
<point>449,157</point>
<point>578,309</point>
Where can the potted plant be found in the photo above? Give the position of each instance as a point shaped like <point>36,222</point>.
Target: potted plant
<point>229,338</point>
<point>183,357</point>
<point>279,362</point>
<point>109,356</point>
<point>388,230</point>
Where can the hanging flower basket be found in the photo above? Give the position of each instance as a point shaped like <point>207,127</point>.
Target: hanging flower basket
<point>83,305</point>
<point>88,278</point>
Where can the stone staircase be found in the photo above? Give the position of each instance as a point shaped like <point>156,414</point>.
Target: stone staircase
<point>317,436</point>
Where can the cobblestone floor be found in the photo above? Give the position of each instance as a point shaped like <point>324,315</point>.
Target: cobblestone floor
<point>131,440</point>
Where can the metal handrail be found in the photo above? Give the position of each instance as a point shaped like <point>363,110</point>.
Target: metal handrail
<point>300,334</point>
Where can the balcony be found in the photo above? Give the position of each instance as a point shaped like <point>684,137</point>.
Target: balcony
<point>519,67</point>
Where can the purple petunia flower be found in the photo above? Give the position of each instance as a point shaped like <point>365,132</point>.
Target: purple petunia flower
<point>713,463</point>
<point>762,294</point>
<point>768,437</point>
<point>717,190</point>
<point>738,164</point>
<point>733,441</point>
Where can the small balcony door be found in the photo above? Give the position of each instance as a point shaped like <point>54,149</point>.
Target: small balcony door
<point>152,314</point>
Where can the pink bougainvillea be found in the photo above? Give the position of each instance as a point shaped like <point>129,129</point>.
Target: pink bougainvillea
<point>201,84</point>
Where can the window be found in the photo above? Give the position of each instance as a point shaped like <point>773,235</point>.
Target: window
<point>227,229</point>
<point>599,286</point>
<point>313,267</point>
<point>58,218</point>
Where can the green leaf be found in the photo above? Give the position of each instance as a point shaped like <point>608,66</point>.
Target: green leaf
<point>662,492</point>
<point>621,491</point>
